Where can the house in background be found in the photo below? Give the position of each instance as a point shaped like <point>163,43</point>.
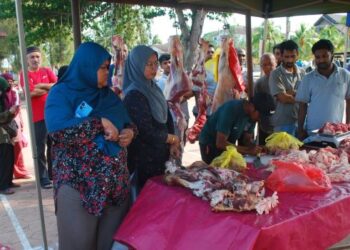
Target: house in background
<point>3,34</point>
<point>330,20</point>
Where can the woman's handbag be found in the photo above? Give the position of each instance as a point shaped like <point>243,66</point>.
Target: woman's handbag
<point>11,128</point>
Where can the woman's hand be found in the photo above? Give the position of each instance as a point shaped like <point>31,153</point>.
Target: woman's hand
<point>125,137</point>
<point>14,110</point>
<point>111,132</point>
<point>175,151</point>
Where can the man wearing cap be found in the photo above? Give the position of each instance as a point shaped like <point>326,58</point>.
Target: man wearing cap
<point>232,120</point>
<point>322,92</point>
<point>41,79</point>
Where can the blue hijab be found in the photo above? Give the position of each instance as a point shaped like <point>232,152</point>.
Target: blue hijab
<point>134,78</point>
<point>79,84</point>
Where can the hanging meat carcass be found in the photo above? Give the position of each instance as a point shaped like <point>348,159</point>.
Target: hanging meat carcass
<point>230,83</point>
<point>177,85</point>
<point>178,81</point>
<point>198,76</point>
<point>120,53</point>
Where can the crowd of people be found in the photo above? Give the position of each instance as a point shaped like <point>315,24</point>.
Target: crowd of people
<point>94,146</point>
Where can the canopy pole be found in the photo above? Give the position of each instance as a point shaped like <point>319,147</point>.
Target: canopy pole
<point>22,45</point>
<point>249,59</point>
<point>76,23</point>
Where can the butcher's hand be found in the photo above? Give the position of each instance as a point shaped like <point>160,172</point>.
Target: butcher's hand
<point>173,140</point>
<point>255,150</point>
<point>125,137</point>
<point>175,151</point>
<point>111,132</point>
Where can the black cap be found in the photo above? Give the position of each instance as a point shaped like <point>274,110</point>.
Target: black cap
<point>264,103</point>
<point>32,49</point>
<point>164,57</point>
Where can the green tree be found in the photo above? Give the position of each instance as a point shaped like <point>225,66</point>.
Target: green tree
<point>9,45</point>
<point>274,36</point>
<point>305,38</point>
<point>334,35</point>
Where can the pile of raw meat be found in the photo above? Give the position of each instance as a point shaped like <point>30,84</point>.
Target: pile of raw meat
<point>334,128</point>
<point>334,162</point>
<point>225,189</point>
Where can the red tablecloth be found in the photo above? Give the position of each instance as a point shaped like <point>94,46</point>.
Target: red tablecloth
<point>168,217</point>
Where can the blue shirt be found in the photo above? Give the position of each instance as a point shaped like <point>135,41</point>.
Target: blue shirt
<point>324,96</point>
<point>162,81</point>
<point>230,119</point>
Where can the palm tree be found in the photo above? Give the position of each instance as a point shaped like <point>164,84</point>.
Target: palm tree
<point>305,38</point>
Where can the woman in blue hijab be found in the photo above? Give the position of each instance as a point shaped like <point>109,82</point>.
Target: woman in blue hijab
<point>148,109</point>
<point>89,127</point>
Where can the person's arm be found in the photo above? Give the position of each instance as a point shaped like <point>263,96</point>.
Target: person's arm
<point>301,119</point>
<point>140,113</point>
<point>44,86</point>
<point>6,117</point>
<point>285,98</point>
<point>221,141</point>
<point>37,92</point>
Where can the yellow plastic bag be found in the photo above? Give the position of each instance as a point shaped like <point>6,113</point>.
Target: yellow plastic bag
<point>230,158</point>
<point>282,141</point>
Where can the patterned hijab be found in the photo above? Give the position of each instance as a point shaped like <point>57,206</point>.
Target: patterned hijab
<point>134,79</point>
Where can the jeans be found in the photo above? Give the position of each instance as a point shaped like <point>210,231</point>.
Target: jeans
<point>40,141</point>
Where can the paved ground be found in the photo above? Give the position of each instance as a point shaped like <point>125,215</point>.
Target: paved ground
<point>20,226</point>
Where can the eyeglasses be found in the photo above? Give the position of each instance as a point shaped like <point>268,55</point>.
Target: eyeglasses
<point>152,64</point>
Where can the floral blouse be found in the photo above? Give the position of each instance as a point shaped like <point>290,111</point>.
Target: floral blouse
<point>100,179</point>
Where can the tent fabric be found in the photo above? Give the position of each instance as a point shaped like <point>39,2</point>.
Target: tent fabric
<point>170,217</point>
<point>259,8</point>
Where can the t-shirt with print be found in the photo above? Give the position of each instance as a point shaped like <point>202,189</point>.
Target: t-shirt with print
<point>43,75</point>
<point>230,119</point>
<point>282,81</point>
<point>324,96</point>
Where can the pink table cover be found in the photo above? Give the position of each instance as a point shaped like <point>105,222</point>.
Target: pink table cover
<point>170,217</point>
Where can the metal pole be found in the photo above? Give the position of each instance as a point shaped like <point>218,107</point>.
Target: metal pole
<point>248,25</point>
<point>76,23</point>
<point>287,27</point>
<point>22,45</point>
<point>346,46</point>
<point>264,36</point>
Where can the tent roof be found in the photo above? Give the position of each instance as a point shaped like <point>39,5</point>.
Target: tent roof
<point>259,8</point>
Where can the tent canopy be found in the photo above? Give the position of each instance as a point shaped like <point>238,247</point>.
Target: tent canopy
<point>258,8</point>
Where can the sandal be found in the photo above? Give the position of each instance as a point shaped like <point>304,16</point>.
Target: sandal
<point>7,191</point>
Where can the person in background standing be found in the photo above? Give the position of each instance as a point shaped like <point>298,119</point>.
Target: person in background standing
<point>12,99</point>
<point>322,92</point>
<point>41,79</point>
<point>276,50</point>
<point>267,64</point>
<point>6,143</point>
<point>164,61</point>
<point>283,83</point>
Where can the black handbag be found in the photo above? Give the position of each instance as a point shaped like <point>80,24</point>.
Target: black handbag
<point>11,128</point>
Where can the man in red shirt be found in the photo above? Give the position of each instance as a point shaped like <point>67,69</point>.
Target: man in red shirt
<point>41,79</point>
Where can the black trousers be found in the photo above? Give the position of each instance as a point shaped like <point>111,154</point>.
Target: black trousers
<point>40,141</point>
<point>7,158</point>
<point>209,152</point>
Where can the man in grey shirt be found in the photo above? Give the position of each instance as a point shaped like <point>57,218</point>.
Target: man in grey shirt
<point>322,92</point>
<point>283,83</point>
